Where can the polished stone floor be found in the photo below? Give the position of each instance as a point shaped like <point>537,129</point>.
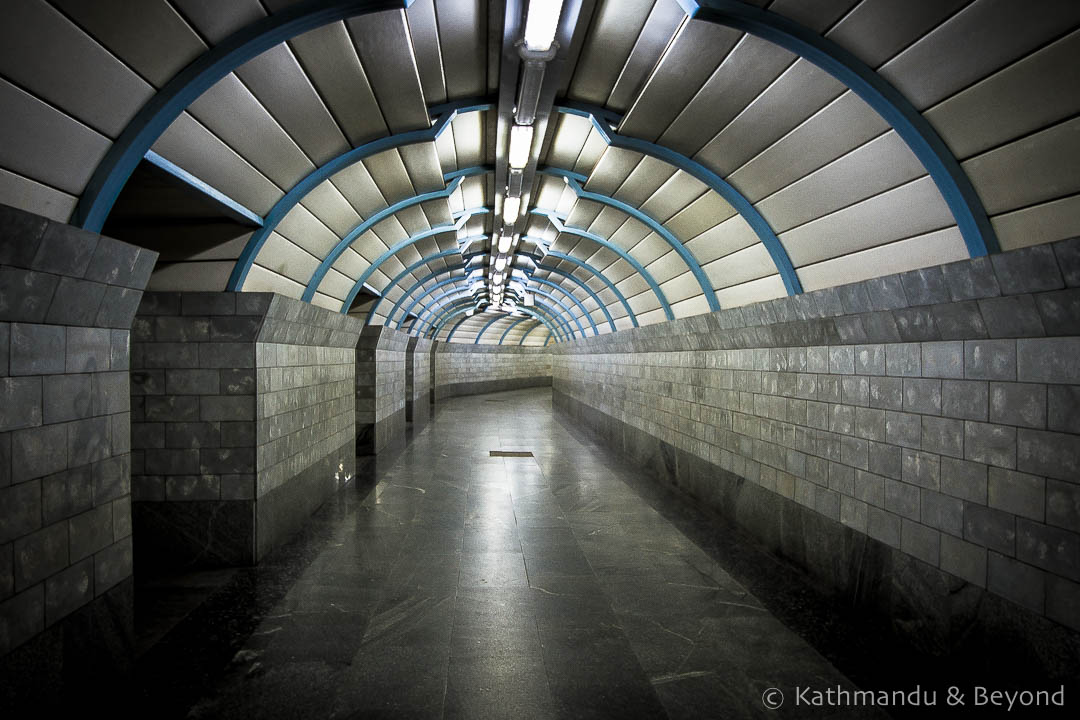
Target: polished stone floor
<point>458,584</point>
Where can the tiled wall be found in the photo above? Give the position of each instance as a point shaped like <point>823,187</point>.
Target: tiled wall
<point>235,395</point>
<point>67,299</point>
<point>936,412</point>
<point>305,414</point>
<point>380,389</point>
<point>467,369</point>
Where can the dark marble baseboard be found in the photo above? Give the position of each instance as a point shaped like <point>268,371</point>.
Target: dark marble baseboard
<point>418,411</point>
<point>281,512</point>
<point>190,534</point>
<point>490,386</point>
<point>87,656</point>
<point>375,438</point>
<point>917,604</point>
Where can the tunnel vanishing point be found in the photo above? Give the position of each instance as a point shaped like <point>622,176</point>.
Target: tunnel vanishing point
<point>539,358</point>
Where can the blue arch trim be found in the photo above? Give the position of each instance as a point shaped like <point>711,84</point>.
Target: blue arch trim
<point>453,251</point>
<point>443,114</point>
<point>570,276</point>
<point>585,266</point>
<point>221,198</point>
<point>398,247</point>
<point>574,182</point>
<point>559,325</point>
<point>462,306</point>
<point>522,340</point>
<point>534,315</point>
<point>375,219</point>
<point>454,268</point>
<point>185,87</point>
<point>722,187</point>
<point>511,327</point>
<point>403,274</point>
<point>952,182</point>
<point>433,308</point>
<point>456,326</point>
<point>560,227</point>
<point>488,324</point>
<point>360,282</point>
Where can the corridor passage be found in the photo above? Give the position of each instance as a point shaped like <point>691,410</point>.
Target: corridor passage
<point>466,585</point>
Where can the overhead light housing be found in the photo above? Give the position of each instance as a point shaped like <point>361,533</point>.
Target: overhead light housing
<point>541,24</point>
<point>511,208</point>
<point>505,242</point>
<point>521,137</point>
<point>500,262</point>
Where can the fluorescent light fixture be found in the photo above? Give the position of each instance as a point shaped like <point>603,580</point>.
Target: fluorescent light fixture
<point>521,137</point>
<point>505,242</point>
<point>511,206</point>
<point>470,312</point>
<point>500,262</point>
<point>541,23</point>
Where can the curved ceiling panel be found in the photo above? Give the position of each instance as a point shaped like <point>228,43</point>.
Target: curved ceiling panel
<point>682,162</point>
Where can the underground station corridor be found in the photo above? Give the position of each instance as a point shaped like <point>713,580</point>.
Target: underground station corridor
<point>539,358</point>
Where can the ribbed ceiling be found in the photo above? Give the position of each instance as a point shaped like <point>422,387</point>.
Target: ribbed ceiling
<point>621,229</point>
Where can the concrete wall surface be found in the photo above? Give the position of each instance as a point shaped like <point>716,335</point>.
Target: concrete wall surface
<point>913,440</point>
<point>67,299</point>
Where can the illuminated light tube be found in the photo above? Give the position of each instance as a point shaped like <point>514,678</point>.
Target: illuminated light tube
<point>505,242</point>
<point>541,24</point>
<point>511,207</point>
<point>521,137</point>
<point>500,262</point>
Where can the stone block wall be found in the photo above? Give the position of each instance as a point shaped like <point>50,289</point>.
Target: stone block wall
<point>304,414</point>
<point>67,300</point>
<point>380,389</point>
<point>912,440</point>
<point>467,369</point>
<point>235,395</point>
<point>418,380</point>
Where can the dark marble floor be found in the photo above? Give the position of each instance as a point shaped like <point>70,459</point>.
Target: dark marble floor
<point>564,585</point>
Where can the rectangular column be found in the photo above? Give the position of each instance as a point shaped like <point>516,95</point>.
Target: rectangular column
<point>67,300</point>
<point>243,422</point>
<point>380,389</point>
<point>418,381</point>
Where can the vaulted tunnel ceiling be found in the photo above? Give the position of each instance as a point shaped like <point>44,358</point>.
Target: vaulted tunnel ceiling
<point>688,155</point>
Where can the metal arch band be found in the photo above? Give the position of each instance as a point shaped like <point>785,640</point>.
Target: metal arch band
<point>167,104</point>
<point>433,307</point>
<point>574,182</point>
<point>463,305</point>
<point>552,332</point>
<point>534,316</point>
<point>449,281</point>
<point>186,86</point>
<point>558,328</point>
<point>879,94</point>
<point>522,340</point>
<point>433,275</point>
<point>506,332</point>
<point>456,178</point>
<point>454,251</point>
<point>555,220</point>
<point>359,284</point>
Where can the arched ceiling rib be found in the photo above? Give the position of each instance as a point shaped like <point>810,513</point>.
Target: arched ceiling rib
<point>315,117</point>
